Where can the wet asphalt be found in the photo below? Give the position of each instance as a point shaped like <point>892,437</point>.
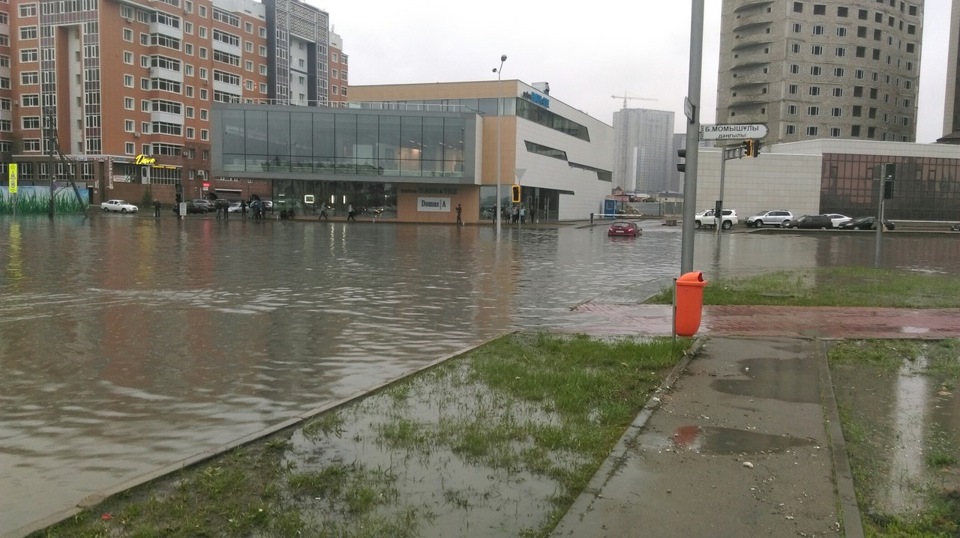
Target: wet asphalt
<point>743,438</point>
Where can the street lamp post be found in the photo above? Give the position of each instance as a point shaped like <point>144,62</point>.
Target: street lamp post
<point>499,71</point>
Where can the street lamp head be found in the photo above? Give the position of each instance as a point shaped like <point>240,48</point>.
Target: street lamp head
<point>494,69</point>
<point>503,57</point>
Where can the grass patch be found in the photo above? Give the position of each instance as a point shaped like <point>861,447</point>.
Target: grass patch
<point>832,286</point>
<point>531,416</point>
<point>870,378</point>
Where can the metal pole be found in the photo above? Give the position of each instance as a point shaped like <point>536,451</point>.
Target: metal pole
<point>693,136</point>
<point>723,172</point>
<point>876,249</point>
<point>503,58</point>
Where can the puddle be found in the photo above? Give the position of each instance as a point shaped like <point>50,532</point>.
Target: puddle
<point>453,491</point>
<point>717,440</point>
<point>906,419</point>
<point>788,380</point>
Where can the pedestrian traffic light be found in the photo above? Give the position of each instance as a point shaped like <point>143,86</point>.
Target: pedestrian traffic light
<point>516,194</point>
<point>888,175</point>
<point>681,167</point>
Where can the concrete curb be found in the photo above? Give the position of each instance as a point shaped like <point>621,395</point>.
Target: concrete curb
<point>611,465</point>
<point>842,474</point>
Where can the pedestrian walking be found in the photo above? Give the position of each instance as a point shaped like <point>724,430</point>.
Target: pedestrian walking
<point>156,208</point>
<point>243,209</point>
<point>516,215</point>
<point>323,212</point>
<point>459,219</point>
<point>350,213</point>
<point>523,214</point>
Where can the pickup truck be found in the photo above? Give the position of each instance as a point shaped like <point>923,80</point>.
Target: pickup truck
<point>708,218</point>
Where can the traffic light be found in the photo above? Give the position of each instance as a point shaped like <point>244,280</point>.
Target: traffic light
<point>681,167</point>
<point>889,173</point>
<point>516,194</point>
<point>756,148</point>
<point>749,147</point>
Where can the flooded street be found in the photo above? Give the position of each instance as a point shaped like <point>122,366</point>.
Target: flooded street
<point>129,344</point>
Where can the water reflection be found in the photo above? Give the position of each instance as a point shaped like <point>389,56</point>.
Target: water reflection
<point>130,343</point>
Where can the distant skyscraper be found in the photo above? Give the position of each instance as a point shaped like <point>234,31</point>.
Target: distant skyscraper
<point>643,146</point>
<point>951,108</point>
<point>846,69</point>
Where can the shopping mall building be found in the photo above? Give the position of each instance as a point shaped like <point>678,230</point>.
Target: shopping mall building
<point>414,152</point>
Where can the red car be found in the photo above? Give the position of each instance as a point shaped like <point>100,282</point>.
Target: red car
<point>622,228</point>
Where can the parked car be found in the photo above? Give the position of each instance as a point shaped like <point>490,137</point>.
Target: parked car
<point>234,207</point>
<point>207,205</point>
<point>624,228</point>
<point>708,218</point>
<point>810,222</point>
<point>866,223</point>
<point>837,219</point>
<point>118,206</point>
<point>192,208</point>
<point>772,217</point>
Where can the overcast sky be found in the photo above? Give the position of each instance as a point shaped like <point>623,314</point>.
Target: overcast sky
<point>587,54</point>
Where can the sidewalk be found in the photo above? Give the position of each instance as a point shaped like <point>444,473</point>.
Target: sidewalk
<point>745,438</point>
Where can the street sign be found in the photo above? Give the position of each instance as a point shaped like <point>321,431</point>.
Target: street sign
<point>733,131</point>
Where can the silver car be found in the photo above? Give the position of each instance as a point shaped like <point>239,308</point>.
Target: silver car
<point>773,217</point>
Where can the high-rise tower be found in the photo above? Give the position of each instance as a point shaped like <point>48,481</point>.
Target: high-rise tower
<point>809,69</point>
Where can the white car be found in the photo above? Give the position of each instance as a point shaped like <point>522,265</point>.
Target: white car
<point>708,218</point>
<point>837,219</point>
<point>773,217</point>
<point>118,206</point>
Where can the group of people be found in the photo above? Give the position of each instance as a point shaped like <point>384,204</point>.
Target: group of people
<point>519,214</point>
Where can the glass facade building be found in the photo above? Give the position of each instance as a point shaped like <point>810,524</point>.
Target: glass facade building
<point>342,157</point>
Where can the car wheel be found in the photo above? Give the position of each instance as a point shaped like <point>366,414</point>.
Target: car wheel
<point>758,224</point>
<point>123,210</point>
<point>696,224</point>
<point>727,225</point>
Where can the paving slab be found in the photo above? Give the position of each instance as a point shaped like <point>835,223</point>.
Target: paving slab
<point>736,447</point>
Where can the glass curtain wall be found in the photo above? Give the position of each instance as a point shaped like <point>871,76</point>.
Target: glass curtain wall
<point>343,143</point>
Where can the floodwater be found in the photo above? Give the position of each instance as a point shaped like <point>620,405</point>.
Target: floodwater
<point>129,343</point>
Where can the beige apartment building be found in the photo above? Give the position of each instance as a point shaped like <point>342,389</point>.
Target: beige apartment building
<point>817,69</point>
<point>127,86</point>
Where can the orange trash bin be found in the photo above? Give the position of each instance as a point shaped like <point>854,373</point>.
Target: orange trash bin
<point>688,303</point>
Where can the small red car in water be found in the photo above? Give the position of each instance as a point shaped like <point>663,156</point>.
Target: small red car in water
<point>623,228</point>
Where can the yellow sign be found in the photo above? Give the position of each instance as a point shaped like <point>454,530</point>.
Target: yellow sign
<point>12,177</point>
<point>145,160</point>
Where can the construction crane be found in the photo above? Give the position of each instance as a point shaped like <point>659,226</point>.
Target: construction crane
<point>625,97</point>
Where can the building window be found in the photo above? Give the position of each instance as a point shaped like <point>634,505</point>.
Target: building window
<point>798,7</point>
<point>792,110</point>
<point>28,55</point>
<point>31,144</point>
<point>812,131</point>
<point>835,132</point>
<point>841,52</point>
<point>128,35</point>
<point>842,12</point>
<point>30,122</point>
<point>816,50</point>
<point>838,92</point>
<point>190,133</point>
<point>836,112</point>
<point>841,32</point>
<point>838,72</point>
<point>813,111</point>
<point>858,91</point>
<point>204,134</point>
<point>792,89</point>
<point>862,14</point>
<point>203,114</point>
<point>128,126</point>
<point>871,132</point>
<point>816,70</point>
<point>817,29</point>
<point>795,48</point>
<point>814,90</point>
<point>791,129</point>
<point>861,52</point>
<point>819,9</point>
